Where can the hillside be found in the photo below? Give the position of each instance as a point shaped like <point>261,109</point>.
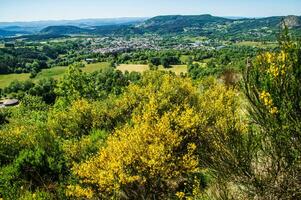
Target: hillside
<point>292,21</point>
<point>4,33</point>
<point>61,30</point>
<point>116,29</point>
<point>35,27</point>
<point>10,33</point>
<point>180,23</point>
<point>219,27</point>
<point>204,25</point>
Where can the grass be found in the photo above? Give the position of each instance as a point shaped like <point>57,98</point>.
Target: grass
<point>206,60</point>
<point>257,44</point>
<point>95,67</point>
<point>6,79</point>
<point>177,69</point>
<point>54,72</point>
<point>58,72</point>
<point>185,58</point>
<point>201,64</point>
<point>132,67</point>
<point>141,68</point>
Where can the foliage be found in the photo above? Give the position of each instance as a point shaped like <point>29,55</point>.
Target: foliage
<point>32,57</point>
<point>156,135</point>
<point>272,85</point>
<point>4,115</point>
<point>97,85</point>
<point>75,121</point>
<point>125,164</point>
<point>43,88</point>
<point>79,149</point>
<point>30,157</point>
<point>156,154</point>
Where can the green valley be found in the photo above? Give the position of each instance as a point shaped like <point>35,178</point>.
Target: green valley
<point>184,106</point>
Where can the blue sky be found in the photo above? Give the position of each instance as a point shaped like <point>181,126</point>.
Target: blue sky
<point>31,10</point>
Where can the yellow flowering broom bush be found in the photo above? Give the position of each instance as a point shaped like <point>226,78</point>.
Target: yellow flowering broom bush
<point>157,153</point>
<point>272,86</point>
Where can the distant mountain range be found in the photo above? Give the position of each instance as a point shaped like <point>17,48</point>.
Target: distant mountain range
<point>207,25</point>
<point>35,27</point>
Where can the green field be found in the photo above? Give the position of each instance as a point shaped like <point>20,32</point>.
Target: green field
<point>257,44</point>
<point>141,68</point>
<point>95,66</point>
<point>132,67</point>
<point>7,78</point>
<point>58,72</point>
<point>202,64</point>
<point>54,72</point>
<point>177,69</point>
<point>185,58</point>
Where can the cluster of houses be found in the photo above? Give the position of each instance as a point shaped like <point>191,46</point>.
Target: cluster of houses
<point>104,45</point>
<point>122,45</point>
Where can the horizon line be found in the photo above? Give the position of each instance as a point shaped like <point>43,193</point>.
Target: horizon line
<point>138,17</point>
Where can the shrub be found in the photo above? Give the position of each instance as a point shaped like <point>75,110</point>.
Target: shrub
<point>159,153</point>
<point>272,86</point>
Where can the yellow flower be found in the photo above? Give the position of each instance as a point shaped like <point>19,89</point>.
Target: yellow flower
<point>273,70</point>
<point>274,110</point>
<point>180,195</point>
<point>266,99</point>
<point>282,56</point>
<point>277,64</point>
<point>269,57</point>
<point>77,191</point>
<point>167,118</point>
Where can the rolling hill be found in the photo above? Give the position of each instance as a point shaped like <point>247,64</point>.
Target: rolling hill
<point>63,30</point>
<point>183,24</point>
<point>209,25</point>
<point>180,23</point>
<point>35,27</point>
<point>204,25</point>
<point>96,30</point>
<point>7,33</point>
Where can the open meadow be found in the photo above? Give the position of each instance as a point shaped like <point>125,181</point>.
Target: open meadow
<point>54,72</point>
<point>177,69</point>
<point>257,44</point>
<point>58,72</point>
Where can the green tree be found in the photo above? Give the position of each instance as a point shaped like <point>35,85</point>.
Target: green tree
<point>155,61</point>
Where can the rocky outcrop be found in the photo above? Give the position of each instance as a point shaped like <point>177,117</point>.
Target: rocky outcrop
<point>291,21</point>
